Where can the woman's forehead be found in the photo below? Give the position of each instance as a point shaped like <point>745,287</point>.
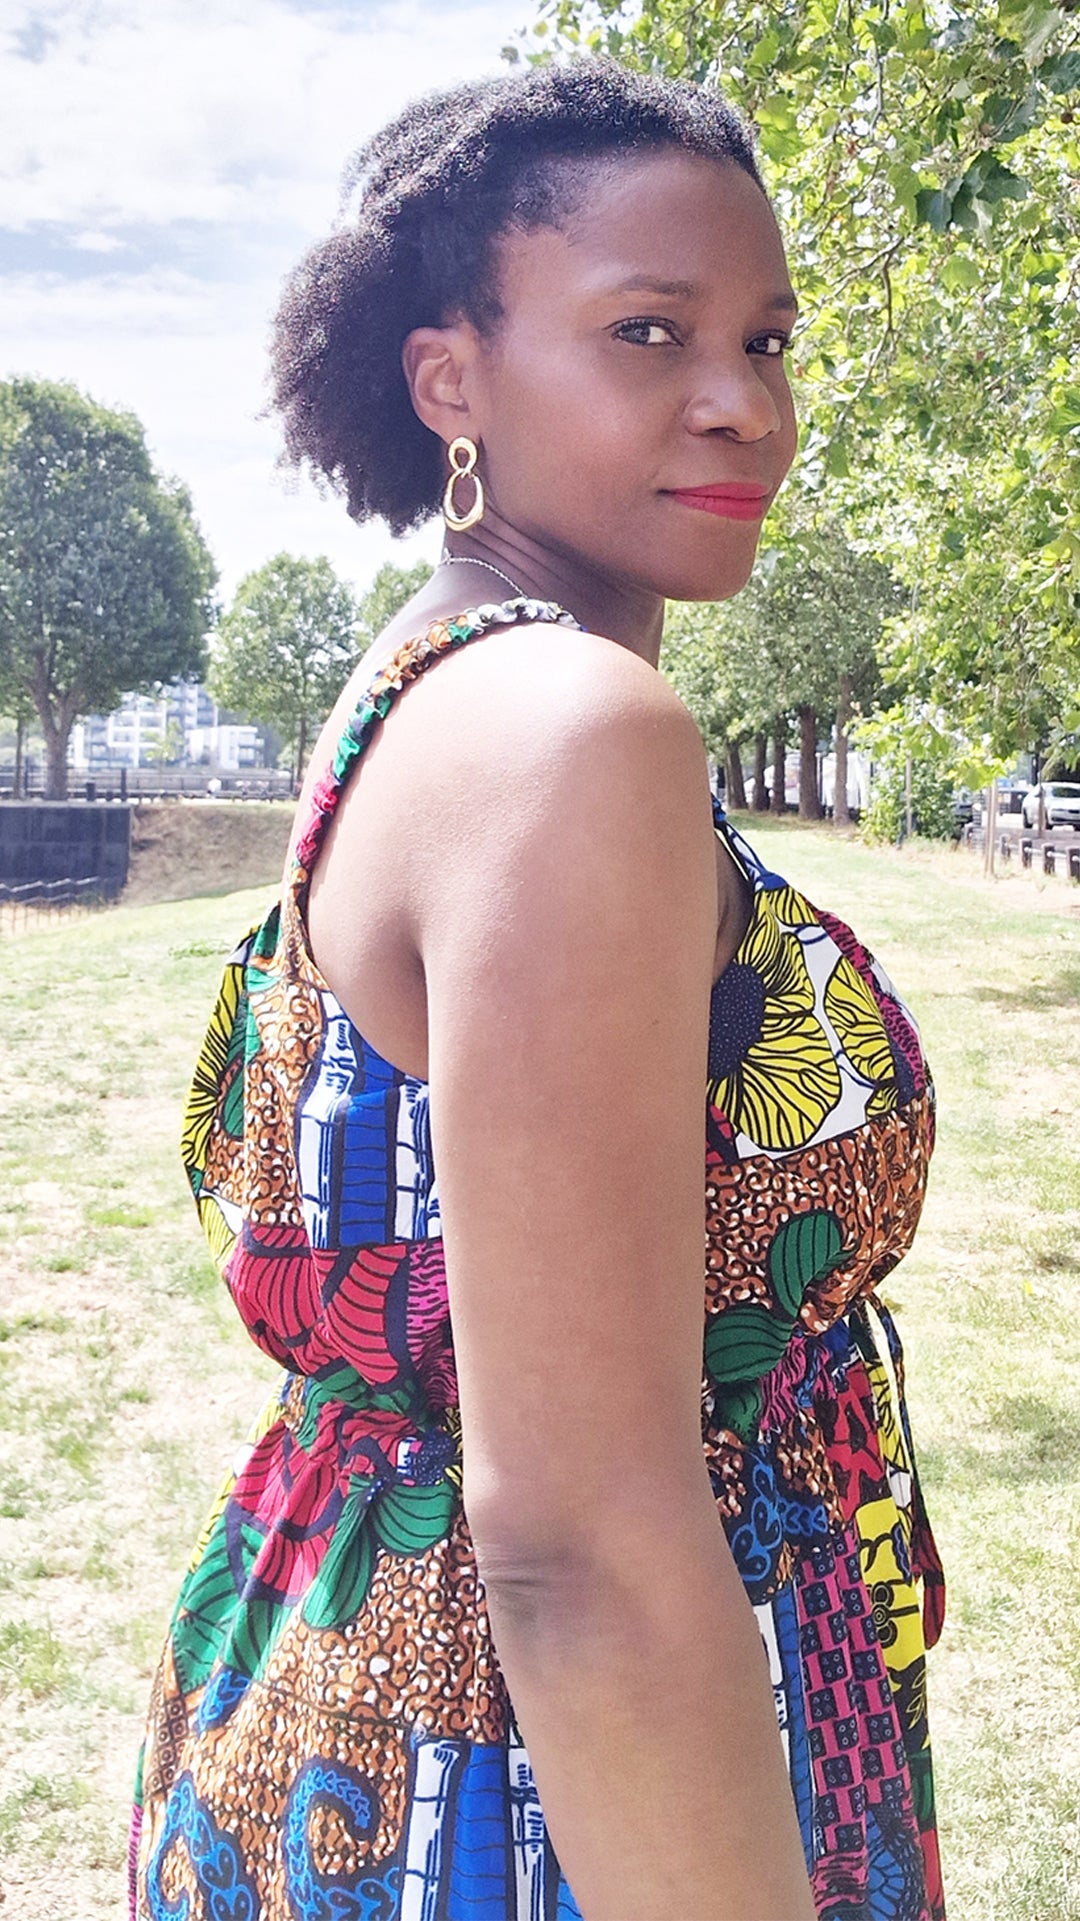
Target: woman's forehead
<point>668,223</point>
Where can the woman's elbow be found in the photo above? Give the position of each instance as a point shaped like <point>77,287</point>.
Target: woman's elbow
<point>564,1570</point>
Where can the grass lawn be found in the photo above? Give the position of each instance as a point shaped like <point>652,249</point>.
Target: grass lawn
<point>125,1381</point>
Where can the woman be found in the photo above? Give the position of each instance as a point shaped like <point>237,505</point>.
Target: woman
<point>514,932</point>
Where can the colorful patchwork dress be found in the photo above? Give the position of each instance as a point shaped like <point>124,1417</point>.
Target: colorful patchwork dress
<point>330,1737</point>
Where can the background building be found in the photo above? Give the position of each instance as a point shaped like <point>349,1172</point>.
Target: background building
<point>180,728</point>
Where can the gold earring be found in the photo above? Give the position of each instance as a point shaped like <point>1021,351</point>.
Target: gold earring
<point>461,454</point>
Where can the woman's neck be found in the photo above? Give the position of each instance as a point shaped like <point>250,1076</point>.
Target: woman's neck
<point>630,615</point>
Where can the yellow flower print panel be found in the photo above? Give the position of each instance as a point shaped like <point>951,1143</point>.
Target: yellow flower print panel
<point>771,1067</point>
<point>204,1094</point>
<point>860,1029</point>
<point>791,908</point>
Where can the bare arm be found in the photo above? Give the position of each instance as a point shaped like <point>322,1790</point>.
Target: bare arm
<point>567,941</point>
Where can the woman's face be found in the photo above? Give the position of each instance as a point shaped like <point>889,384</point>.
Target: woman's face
<point>640,360</point>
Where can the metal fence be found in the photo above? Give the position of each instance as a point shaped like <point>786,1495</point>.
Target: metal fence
<point>32,901</point>
<point>1055,860</point>
<point>1046,858</point>
<point>157,783</point>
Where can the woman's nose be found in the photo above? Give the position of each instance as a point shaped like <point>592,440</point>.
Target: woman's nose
<point>734,400</point>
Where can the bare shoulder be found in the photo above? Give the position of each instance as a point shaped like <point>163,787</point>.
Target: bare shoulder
<point>566,800</point>
<point>557,665</point>
<point>548,713</point>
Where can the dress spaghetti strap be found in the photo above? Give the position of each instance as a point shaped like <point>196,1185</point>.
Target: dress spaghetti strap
<point>413,658</point>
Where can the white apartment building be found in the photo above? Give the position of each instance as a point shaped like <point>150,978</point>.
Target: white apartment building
<point>180,727</point>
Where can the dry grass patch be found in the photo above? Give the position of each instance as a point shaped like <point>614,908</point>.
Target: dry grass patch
<point>124,1379</point>
<point>180,848</point>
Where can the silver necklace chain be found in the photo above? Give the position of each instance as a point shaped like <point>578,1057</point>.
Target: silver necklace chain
<point>467,560</point>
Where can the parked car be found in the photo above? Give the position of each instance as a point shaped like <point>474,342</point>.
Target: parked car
<point>1061,799</point>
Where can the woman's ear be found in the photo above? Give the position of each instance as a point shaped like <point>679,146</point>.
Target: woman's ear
<point>436,363</point>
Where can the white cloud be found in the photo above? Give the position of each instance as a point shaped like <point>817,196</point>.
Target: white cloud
<point>52,303</point>
<point>219,110</point>
<point>189,360</point>
<point>90,241</point>
<point>196,146</point>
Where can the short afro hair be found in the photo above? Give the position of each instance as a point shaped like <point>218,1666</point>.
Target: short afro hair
<point>434,192</point>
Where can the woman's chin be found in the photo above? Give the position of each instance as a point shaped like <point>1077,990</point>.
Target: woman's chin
<point>714,581</point>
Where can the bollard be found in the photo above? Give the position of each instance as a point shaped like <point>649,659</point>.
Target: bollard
<point>91,790</point>
<point>1005,846</point>
<point>1049,861</point>
<point>1026,852</point>
<point>1074,863</point>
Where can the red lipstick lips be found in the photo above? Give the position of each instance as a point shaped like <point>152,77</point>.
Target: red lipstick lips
<point>734,499</point>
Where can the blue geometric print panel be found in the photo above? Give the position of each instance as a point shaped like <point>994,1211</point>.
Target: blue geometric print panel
<point>418,1215</point>
<point>476,1847</point>
<point>779,1625</point>
<point>480,1863</point>
<point>364,1177</point>
<point>363,1146</point>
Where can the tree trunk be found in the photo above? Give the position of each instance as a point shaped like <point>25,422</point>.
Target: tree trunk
<point>809,798</point>
<point>779,803</point>
<point>56,730</point>
<point>761,755</point>
<point>57,713</point>
<point>990,829</point>
<point>736,787</point>
<point>20,756</point>
<point>841,810</point>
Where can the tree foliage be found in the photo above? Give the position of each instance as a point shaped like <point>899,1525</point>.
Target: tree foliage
<point>933,798</point>
<point>105,581</point>
<point>925,166</point>
<point>388,593</point>
<point>292,637</point>
<point>286,647</point>
<point>800,641</point>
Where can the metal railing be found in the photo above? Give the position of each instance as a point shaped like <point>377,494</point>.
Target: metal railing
<point>151,783</point>
<point>1055,860</point>
<point>1048,857</point>
<point>26,903</point>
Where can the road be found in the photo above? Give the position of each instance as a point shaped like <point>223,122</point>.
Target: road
<point>1013,825</point>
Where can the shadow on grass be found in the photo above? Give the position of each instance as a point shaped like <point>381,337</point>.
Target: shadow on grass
<point>1025,1439</point>
<point>1033,997</point>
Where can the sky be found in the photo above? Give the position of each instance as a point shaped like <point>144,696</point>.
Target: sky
<point>163,163</point>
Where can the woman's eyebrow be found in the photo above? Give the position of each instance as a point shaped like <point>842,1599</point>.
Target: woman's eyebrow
<point>667,289</point>
<point>688,290</point>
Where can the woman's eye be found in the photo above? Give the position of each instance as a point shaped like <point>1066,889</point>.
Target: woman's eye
<point>646,333</point>
<point>772,344</point>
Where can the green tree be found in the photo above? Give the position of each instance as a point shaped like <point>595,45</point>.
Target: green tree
<point>105,581</point>
<point>16,706</point>
<point>714,657</point>
<point>799,644</point>
<point>292,637</point>
<point>388,593</point>
<point>983,652</point>
<point>820,606</point>
<point>167,750</point>
<point>933,801</point>
<point>286,647</point>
